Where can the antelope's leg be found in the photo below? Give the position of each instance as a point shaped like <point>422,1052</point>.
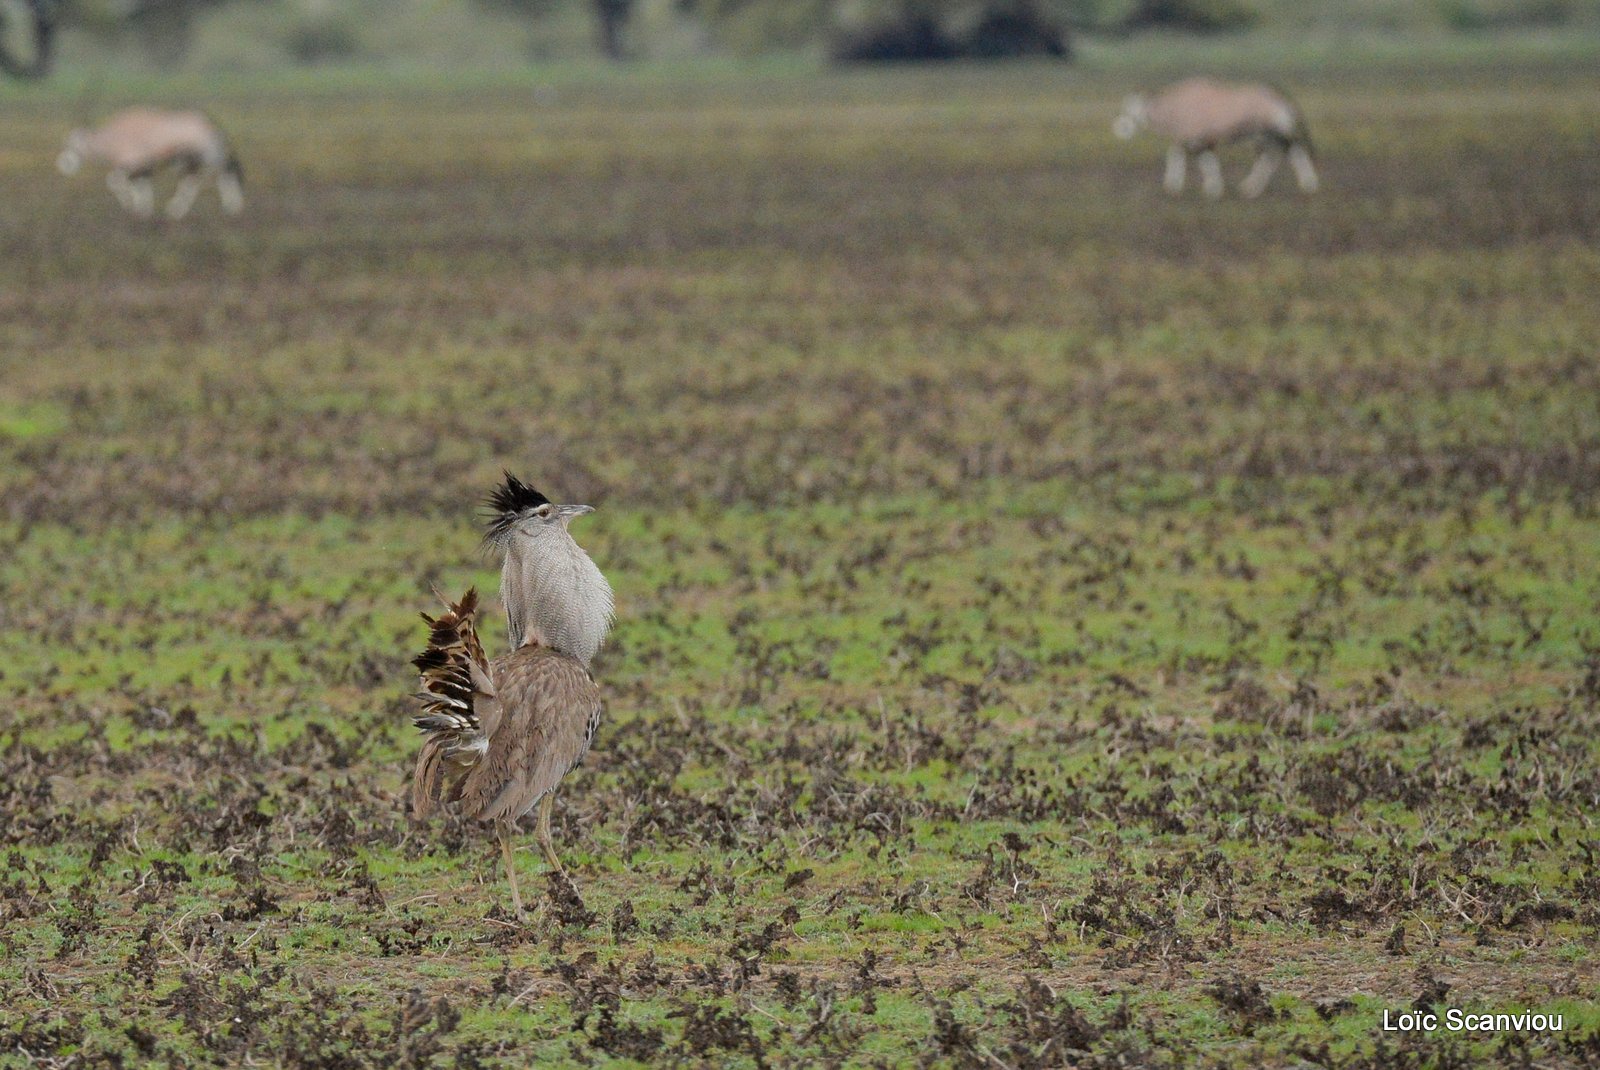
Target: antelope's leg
<point>231,192</point>
<point>503,830</point>
<point>1265,167</point>
<point>1210,173</point>
<point>1177,164</point>
<point>544,834</point>
<point>141,197</point>
<point>183,197</point>
<point>117,183</point>
<point>1304,170</point>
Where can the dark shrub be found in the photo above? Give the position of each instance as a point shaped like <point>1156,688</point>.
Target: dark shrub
<point>1195,16</point>
<point>322,41</point>
<point>899,41</point>
<point>990,29</point>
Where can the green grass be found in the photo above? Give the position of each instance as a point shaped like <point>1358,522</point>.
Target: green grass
<point>1057,622</point>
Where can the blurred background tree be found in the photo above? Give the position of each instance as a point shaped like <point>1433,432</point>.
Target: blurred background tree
<point>613,17</point>
<point>1197,16</point>
<point>900,30</point>
<point>228,35</point>
<point>27,37</point>
<point>162,30</point>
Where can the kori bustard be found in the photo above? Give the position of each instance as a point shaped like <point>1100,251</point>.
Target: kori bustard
<point>500,735</point>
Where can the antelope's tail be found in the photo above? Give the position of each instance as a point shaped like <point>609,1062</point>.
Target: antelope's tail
<point>222,145</point>
<point>1302,134</point>
<point>454,678</point>
<point>1299,133</point>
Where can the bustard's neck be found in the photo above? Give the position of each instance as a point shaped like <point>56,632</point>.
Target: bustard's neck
<point>554,595</point>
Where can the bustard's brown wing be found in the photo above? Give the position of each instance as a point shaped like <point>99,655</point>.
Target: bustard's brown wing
<point>545,713</point>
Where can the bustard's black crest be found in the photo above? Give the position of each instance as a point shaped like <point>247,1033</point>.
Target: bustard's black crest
<point>507,502</point>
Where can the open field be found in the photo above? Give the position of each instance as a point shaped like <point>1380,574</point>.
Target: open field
<point>1059,624</point>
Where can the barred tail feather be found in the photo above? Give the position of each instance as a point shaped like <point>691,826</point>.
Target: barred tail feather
<point>454,675</point>
<point>429,776</point>
<point>453,667</point>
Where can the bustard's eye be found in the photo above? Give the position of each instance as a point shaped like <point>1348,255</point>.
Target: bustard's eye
<point>544,511</point>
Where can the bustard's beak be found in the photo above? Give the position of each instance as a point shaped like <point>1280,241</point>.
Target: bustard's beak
<point>569,513</point>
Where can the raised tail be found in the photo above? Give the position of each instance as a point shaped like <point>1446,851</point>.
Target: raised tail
<point>1296,141</point>
<point>230,184</point>
<point>427,779</point>
<point>455,679</point>
<point>1303,155</point>
<point>230,176</point>
<point>1298,133</point>
<point>1302,135</point>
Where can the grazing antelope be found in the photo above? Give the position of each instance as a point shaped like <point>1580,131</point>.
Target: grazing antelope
<point>137,142</point>
<point>501,734</point>
<point>1200,114</point>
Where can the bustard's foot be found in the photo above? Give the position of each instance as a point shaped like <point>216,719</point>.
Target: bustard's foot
<point>529,917</point>
<point>517,916</point>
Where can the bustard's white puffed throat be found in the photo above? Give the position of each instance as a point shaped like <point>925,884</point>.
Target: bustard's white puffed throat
<point>554,595</point>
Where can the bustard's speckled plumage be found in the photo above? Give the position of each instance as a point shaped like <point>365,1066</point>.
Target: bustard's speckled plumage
<point>501,734</point>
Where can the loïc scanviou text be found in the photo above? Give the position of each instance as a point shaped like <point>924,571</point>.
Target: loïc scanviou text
<point>1455,1020</point>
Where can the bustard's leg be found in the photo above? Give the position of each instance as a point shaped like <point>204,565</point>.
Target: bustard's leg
<point>1210,173</point>
<point>1304,170</point>
<point>549,848</point>
<point>503,829</point>
<point>1266,166</point>
<point>1177,164</point>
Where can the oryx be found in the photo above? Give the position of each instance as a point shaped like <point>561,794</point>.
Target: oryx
<point>1200,114</point>
<point>137,142</point>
